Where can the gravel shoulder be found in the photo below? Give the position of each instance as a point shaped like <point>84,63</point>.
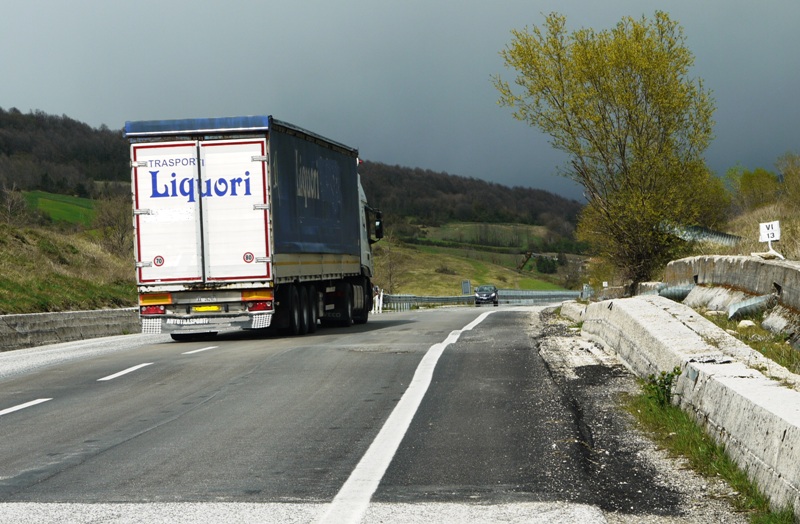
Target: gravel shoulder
<point>596,380</point>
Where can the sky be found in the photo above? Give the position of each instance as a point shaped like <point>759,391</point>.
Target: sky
<point>406,82</point>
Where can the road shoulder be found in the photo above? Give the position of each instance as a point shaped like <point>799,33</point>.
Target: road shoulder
<point>597,382</point>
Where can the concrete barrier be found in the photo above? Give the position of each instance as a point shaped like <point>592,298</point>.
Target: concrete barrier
<point>720,282</point>
<point>746,402</point>
<point>573,310</point>
<point>21,331</point>
<point>753,275</point>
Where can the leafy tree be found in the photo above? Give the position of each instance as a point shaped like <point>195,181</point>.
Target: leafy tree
<point>714,203</point>
<point>789,167</point>
<point>758,187</point>
<point>546,265</point>
<point>620,103</point>
<point>752,189</point>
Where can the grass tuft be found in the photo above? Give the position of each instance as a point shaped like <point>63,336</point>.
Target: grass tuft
<point>680,436</point>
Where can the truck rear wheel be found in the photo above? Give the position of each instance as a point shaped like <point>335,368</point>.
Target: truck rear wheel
<point>293,309</point>
<point>313,316</point>
<point>347,305</point>
<point>362,315</point>
<point>305,310</point>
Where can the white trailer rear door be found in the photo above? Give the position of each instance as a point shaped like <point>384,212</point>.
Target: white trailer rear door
<point>233,185</point>
<point>200,211</point>
<point>166,213</point>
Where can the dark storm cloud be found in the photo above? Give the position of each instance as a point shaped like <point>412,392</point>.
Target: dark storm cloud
<point>406,82</point>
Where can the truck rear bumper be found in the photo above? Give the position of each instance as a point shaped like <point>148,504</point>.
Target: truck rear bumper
<point>195,325</point>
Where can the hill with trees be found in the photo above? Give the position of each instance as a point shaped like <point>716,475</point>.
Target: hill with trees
<point>435,198</point>
<point>60,155</point>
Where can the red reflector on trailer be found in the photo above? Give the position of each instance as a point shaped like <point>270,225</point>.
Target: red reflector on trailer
<point>265,305</point>
<point>153,310</point>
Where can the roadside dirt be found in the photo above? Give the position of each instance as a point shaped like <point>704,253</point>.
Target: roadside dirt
<point>595,382</point>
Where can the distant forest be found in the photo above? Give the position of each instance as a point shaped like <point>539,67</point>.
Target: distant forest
<point>431,198</point>
<point>61,155</point>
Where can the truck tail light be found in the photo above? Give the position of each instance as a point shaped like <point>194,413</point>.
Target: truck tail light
<point>258,299</point>
<point>257,295</point>
<point>153,310</point>
<point>261,305</point>
<point>155,299</point>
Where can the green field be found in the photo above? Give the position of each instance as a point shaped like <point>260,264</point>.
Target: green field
<point>62,208</point>
<point>519,236</point>
<point>427,270</point>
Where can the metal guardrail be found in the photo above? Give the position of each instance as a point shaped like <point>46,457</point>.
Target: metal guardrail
<point>505,296</point>
<point>703,234</point>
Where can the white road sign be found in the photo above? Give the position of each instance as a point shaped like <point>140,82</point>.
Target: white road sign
<point>770,231</point>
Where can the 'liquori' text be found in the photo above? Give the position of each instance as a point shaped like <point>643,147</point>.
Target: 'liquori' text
<point>191,188</point>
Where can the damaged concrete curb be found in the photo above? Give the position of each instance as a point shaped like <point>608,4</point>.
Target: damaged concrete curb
<point>37,329</point>
<point>755,276</point>
<point>745,401</point>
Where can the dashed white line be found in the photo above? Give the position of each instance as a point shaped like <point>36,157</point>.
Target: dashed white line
<point>23,406</point>
<point>199,350</point>
<point>351,503</point>
<point>124,372</point>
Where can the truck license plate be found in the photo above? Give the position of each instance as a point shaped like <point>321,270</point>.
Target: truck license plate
<point>205,309</point>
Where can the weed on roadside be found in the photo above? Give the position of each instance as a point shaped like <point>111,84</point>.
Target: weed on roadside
<point>680,436</point>
<point>659,388</point>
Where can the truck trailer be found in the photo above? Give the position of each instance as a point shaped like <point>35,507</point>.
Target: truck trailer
<point>247,223</point>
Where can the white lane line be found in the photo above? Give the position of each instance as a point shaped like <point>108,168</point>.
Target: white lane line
<point>23,406</point>
<point>199,350</point>
<point>351,503</point>
<point>124,372</point>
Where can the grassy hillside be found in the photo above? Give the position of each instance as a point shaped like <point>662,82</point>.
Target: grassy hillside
<point>44,270</point>
<point>747,227</point>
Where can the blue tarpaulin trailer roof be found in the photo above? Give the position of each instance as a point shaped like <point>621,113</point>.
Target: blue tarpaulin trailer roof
<point>196,125</point>
<point>234,124</point>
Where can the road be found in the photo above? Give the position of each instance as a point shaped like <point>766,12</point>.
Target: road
<point>447,415</point>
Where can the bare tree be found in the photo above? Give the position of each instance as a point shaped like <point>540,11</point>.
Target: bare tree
<point>14,207</point>
<point>389,264</point>
<point>113,218</point>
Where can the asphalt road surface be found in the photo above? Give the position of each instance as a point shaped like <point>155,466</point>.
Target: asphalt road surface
<point>445,415</point>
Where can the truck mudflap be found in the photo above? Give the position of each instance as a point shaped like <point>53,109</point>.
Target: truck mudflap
<point>195,325</point>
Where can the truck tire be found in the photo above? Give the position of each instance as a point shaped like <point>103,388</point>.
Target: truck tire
<point>313,312</point>
<point>305,310</point>
<point>361,316</point>
<point>347,306</point>
<point>295,320</point>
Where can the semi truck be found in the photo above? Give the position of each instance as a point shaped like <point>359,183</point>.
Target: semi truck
<point>248,223</point>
